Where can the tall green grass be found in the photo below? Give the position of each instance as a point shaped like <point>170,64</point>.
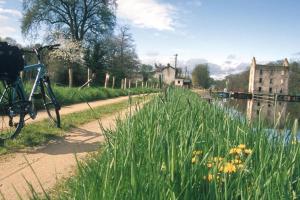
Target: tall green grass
<point>67,96</point>
<point>179,147</point>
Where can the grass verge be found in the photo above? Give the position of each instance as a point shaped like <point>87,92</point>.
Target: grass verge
<point>179,147</point>
<point>42,132</point>
<point>68,96</point>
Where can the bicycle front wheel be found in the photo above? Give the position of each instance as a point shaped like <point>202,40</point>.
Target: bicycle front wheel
<point>50,103</point>
<point>12,111</point>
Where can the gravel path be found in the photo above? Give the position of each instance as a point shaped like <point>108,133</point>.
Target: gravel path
<point>55,160</point>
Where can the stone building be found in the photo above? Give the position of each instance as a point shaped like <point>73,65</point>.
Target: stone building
<point>264,82</point>
<point>269,79</point>
<point>166,74</point>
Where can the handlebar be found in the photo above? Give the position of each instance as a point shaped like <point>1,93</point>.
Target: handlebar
<point>37,51</point>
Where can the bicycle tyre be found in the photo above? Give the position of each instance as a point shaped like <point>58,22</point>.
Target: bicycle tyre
<point>50,102</point>
<point>12,111</point>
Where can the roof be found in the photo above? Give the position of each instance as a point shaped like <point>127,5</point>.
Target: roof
<point>160,69</point>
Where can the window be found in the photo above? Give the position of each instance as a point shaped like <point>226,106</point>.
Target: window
<point>269,105</point>
<point>270,90</point>
<point>178,82</point>
<point>260,72</point>
<point>280,91</point>
<point>259,89</point>
<point>271,81</point>
<point>258,103</point>
<point>260,80</point>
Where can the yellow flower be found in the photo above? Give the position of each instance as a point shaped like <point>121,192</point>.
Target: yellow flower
<point>218,159</point>
<point>210,177</point>
<point>295,141</point>
<point>194,160</point>
<point>229,168</point>
<point>197,153</point>
<point>242,146</point>
<point>248,151</point>
<point>209,165</point>
<point>235,151</point>
<point>236,161</point>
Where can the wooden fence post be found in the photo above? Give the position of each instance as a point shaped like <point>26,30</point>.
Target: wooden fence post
<point>113,84</point>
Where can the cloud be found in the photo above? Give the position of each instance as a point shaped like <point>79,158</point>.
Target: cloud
<point>12,12</point>
<point>231,57</point>
<point>5,31</point>
<point>147,13</point>
<point>3,18</point>
<point>152,54</point>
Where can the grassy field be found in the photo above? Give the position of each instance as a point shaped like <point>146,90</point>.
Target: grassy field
<point>40,133</point>
<point>67,96</point>
<point>179,147</point>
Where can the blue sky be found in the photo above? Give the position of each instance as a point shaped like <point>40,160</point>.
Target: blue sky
<point>226,34</point>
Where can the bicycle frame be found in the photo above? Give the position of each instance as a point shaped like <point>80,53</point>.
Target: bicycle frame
<point>18,83</point>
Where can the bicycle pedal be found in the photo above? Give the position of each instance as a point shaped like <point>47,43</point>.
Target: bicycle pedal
<point>37,96</point>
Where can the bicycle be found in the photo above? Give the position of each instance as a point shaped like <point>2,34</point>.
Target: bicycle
<point>15,104</point>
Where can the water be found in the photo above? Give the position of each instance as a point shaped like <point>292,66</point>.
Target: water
<point>280,115</point>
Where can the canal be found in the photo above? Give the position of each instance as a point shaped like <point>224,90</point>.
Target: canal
<point>279,115</point>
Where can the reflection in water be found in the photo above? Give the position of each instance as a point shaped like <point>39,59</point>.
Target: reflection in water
<point>278,114</point>
<point>269,111</point>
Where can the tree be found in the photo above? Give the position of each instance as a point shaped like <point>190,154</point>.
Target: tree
<point>77,19</point>
<point>200,76</point>
<point>146,71</point>
<point>96,58</point>
<point>124,59</point>
<point>71,52</point>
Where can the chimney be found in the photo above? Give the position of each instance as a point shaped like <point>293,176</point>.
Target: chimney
<point>286,62</point>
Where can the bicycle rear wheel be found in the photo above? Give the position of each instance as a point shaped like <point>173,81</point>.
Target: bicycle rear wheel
<point>50,103</point>
<point>12,111</point>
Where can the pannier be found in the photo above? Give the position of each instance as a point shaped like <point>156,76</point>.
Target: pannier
<point>11,62</point>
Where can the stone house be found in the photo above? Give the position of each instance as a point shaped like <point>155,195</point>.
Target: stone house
<point>268,79</point>
<point>166,74</point>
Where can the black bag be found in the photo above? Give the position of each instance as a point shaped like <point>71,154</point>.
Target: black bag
<point>11,62</point>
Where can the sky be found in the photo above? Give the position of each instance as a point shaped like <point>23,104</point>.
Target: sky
<point>224,33</point>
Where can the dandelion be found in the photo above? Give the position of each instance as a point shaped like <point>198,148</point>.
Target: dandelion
<point>242,146</point>
<point>194,160</point>
<point>235,151</point>
<point>248,151</point>
<point>197,153</point>
<point>218,159</point>
<point>236,161</point>
<point>229,168</point>
<point>209,177</point>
